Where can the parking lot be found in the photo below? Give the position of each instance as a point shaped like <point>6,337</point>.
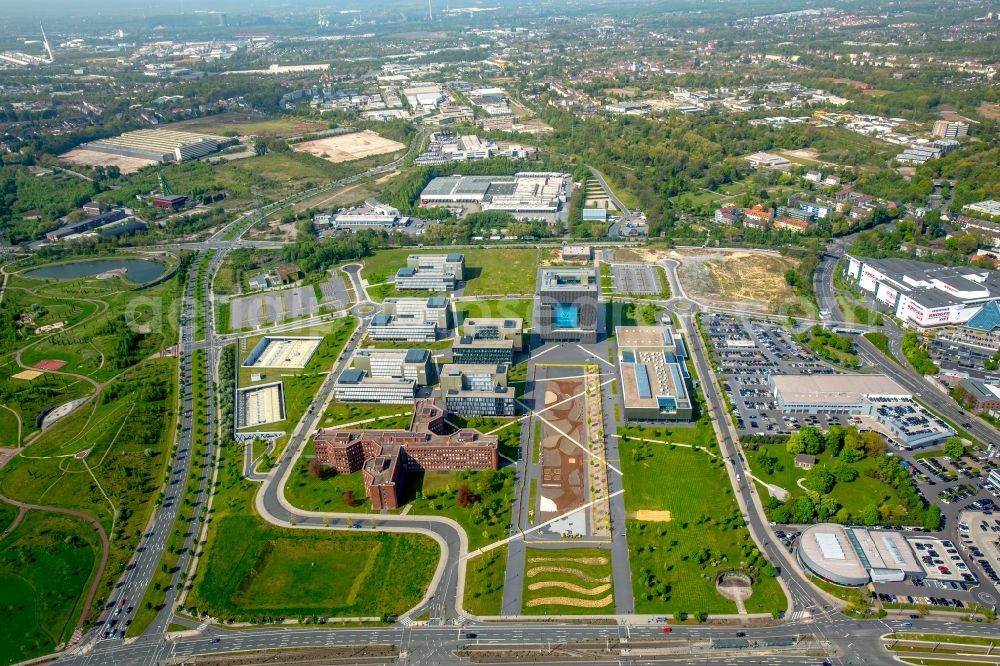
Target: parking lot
<point>747,352</point>
<point>635,279</point>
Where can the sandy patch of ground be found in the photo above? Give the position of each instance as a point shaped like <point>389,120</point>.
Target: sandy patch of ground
<point>579,560</point>
<point>653,516</point>
<point>94,158</point>
<point>571,587</point>
<point>569,601</point>
<point>347,147</point>
<point>736,279</point>
<point>990,111</point>
<point>639,255</point>
<point>534,571</point>
<point>27,375</point>
<point>804,153</point>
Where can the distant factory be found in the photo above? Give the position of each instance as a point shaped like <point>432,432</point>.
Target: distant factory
<point>161,145</point>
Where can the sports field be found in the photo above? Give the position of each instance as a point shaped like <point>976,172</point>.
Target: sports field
<point>347,147</point>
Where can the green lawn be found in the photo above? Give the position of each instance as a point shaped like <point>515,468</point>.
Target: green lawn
<point>127,433</point>
<point>8,428</point>
<point>388,417</point>
<point>705,525</point>
<point>492,272</point>
<point>307,492</point>
<point>567,581</point>
<point>517,308</point>
<point>484,580</point>
<point>485,520</point>
<point>42,310</point>
<point>45,568</point>
<point>273,572</point>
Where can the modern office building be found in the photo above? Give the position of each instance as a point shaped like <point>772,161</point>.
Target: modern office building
<point>877,402</point>
<point>925,295</point>
<point>857,555</point>
<point>354,385</point>
<point>567,306</point>
<point>477,390</point>
<point>430,272</point>
<point>654,377</point>
<point>469,350</point>
<point>411,319</point>
<point>496,328</point>
<point>385,456</point>
<point>161,145</point>
<point>453,262</point>
<point>410,364</point>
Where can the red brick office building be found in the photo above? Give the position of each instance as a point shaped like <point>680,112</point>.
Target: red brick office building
<point>384,456</point>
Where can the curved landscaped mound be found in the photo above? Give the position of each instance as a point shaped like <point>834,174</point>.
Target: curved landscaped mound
<point>571,587</point>
<point>597,561</point>
<point>535,571</point>
<point>571,601</point>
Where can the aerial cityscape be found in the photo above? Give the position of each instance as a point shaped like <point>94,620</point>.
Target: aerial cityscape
<point>500,332</point>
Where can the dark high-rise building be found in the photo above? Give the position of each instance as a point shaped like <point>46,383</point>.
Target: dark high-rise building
<point>567,304</point>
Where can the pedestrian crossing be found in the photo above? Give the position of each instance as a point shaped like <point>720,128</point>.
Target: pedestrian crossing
<point>404,620</point>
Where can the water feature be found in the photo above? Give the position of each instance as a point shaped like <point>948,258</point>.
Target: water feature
<point>136,270</point>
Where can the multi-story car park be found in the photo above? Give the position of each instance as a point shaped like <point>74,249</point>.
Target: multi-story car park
<point>477,390</point>
<point>411,319</point>
<point>925,295</point>
<point>651,364</point>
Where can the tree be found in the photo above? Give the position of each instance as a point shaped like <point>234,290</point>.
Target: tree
<point>795,445</point>
<point>954,448</point>
<point>870,515</point>
<point>835,439</point>
<point>259,147</point>
<point>812,440</point>
<point>464,497</point>
<point>316,469</point>
<point>348,498</point>
<point>820,479</point>
<point>804,510</point>
<point>874,444</point>
<point>932,517</point>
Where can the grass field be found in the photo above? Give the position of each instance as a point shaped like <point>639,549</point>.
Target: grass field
<point>307,492</point>
<point>484,580</point>
<point>286,573</point>
<point>9,428</point>
<point>567,581</point>
<point>44,310</point>
<point>485,520</point>
<point>243,123</point>
<point>674,563</point>
<point>127,433</point>
<point>389,416</point>
<point>45,568</point>
<point>487,272</point>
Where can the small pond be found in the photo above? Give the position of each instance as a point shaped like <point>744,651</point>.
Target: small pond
<point>136,270</point>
